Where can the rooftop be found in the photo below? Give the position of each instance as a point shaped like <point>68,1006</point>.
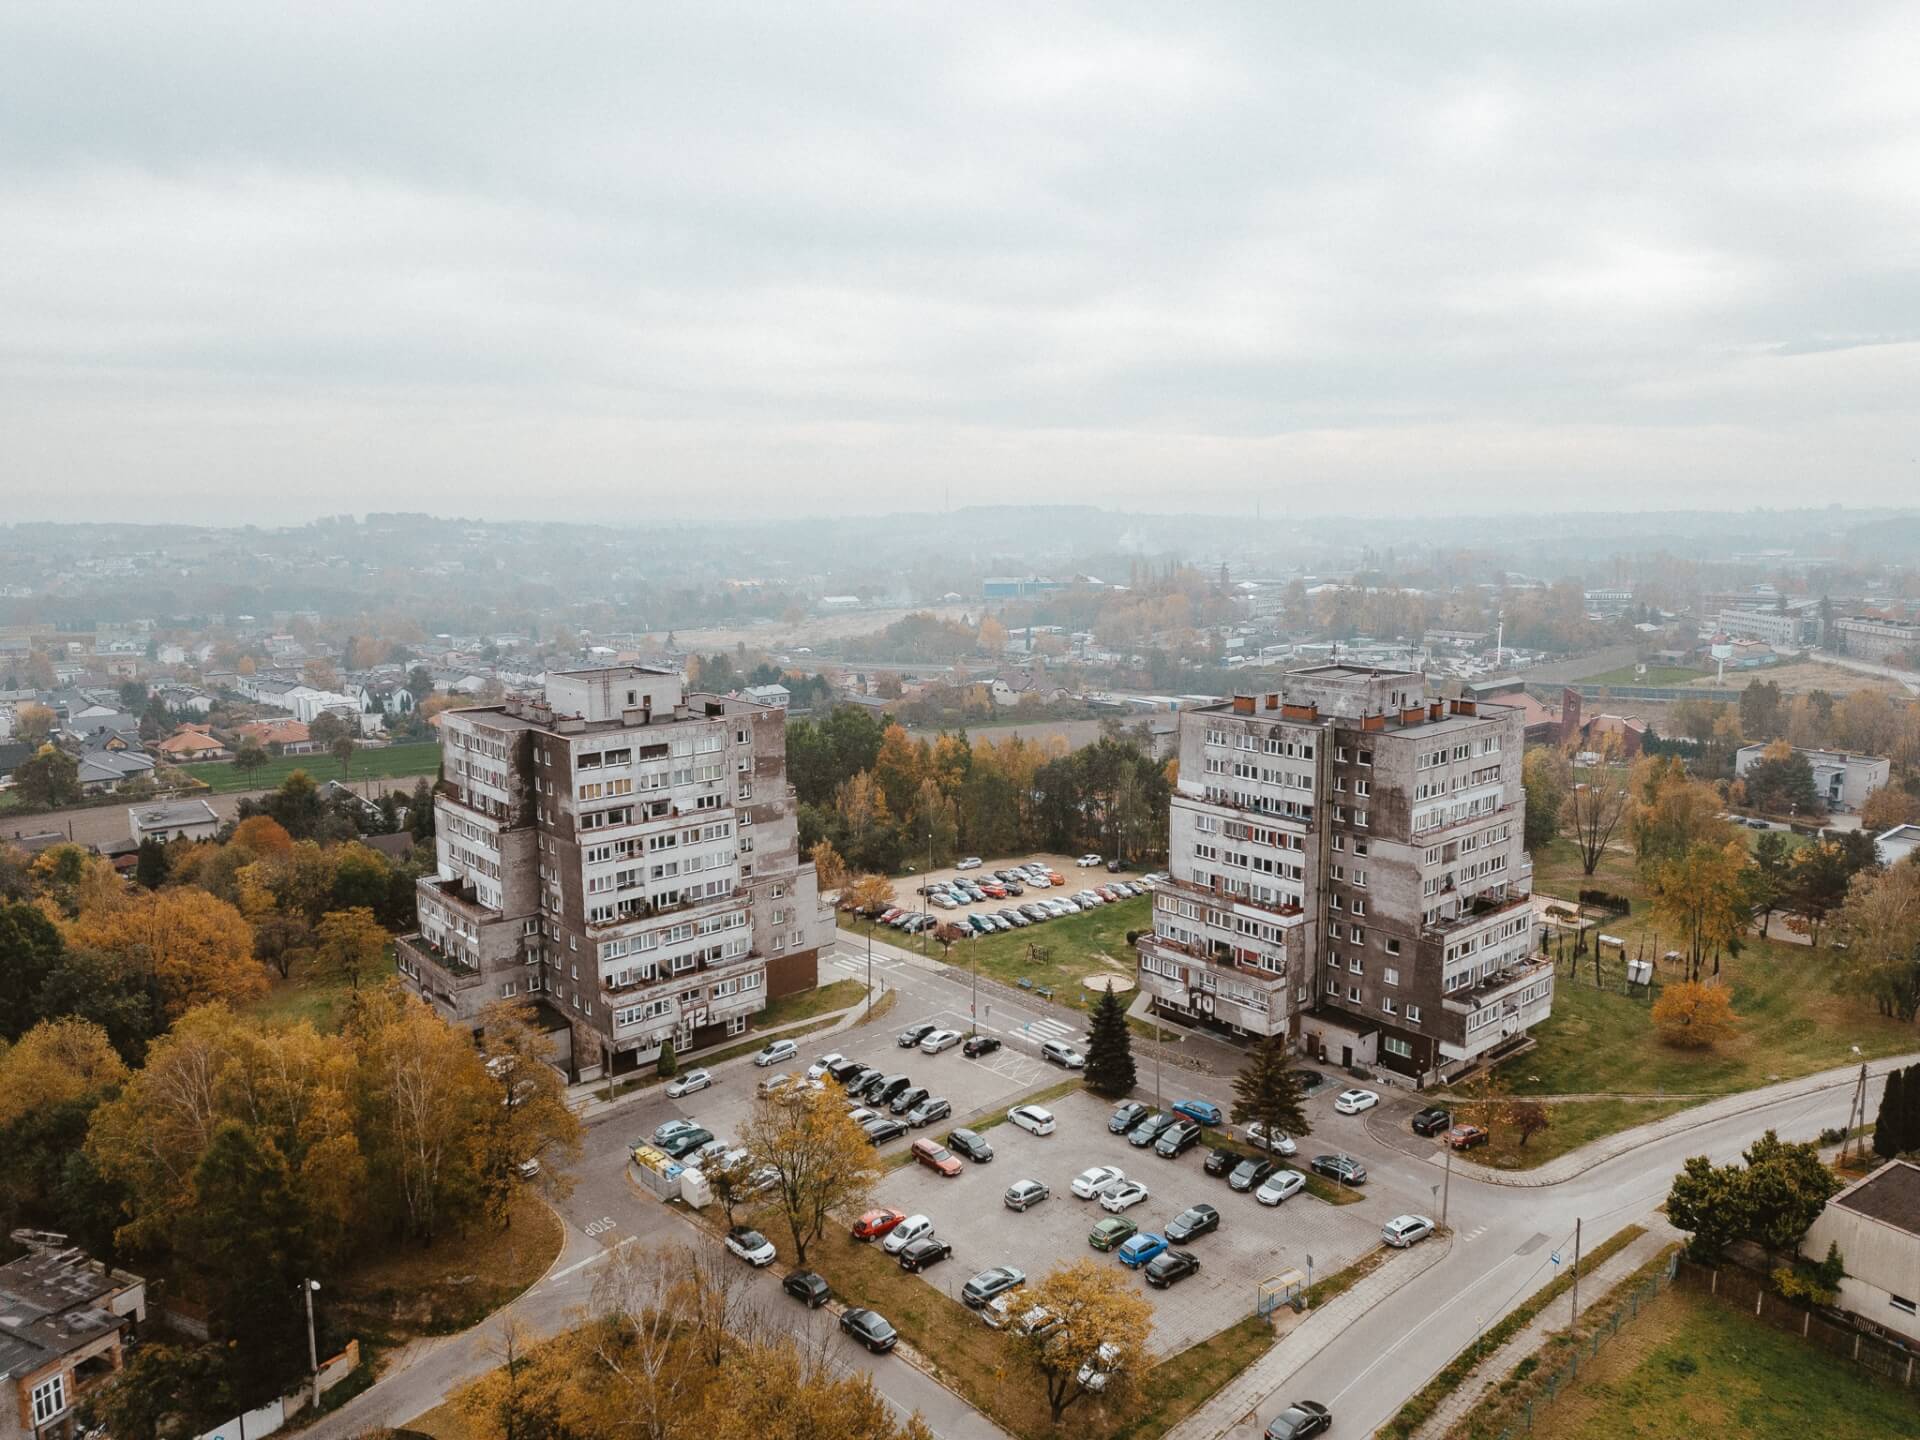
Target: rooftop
<point>177,812</point>
<point>53,1300</point>
<point>1890,1195</point>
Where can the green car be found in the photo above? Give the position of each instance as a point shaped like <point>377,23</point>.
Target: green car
<point>1112,1231</point>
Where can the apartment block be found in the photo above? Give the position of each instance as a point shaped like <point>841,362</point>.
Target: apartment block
<point>1348,870</point>
<point>1868,638</point>
<point>623,851</point>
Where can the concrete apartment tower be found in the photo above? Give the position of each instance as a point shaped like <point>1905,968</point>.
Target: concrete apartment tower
<point>623,851</point>
<point>1348,870</point>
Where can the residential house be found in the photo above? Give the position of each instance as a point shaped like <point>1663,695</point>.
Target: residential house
<point>190,743</point>
<point>1876,1224</point>
<point>1890,847</point>
<point>290,735</point>
<point>105,770</point>
<point>65,1321</point>
<point>1841,781</point>
<point>384,697</point>
<point>173,820</point>
<point>13,754</point>
<point>777,696</point>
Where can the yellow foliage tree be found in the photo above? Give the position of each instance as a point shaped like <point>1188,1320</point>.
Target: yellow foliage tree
<point>351,943</point>
<point>822,1160</point>
<point>1098,1323</point>
<point>1694,1016</point>
<point>55,1063</point>
<point>198,948</point>
<point>828,866</point>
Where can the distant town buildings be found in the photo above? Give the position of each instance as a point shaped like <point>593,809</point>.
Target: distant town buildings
<point>1868,638</point>
<point>173,820</point>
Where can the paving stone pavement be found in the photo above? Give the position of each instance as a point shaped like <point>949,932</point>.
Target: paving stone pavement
<point>1232,1402</point>
<point>1497,1366</point>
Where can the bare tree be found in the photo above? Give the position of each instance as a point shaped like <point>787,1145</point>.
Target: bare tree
<point>1593,811</point>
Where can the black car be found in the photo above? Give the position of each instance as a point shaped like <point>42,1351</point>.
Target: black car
<point>974,1147</point>
<point>1171,1267</point>
<point>927,1250</point>
<point>978,1045</point>
<point>989,1284</point>
<point>686,1142</point>
<point>1149,1129</point>
<point>1220,1162</point>
<point>1432,1120</point>
<point>871,1329</point>
<point>1014,889</point>
<point>1344,1168</point>
<point>1310,1080</point>
<point>880,1129</point>
<point>1194,1221</point>
<point>1249,1173</point>
<point>882,1089</point>
<point>1301,1420</point>
<point>846,1070</point>
<point>1177,1139</point>
<point>861,1077</point>
<point>908,1098</point>
<point>1128,1114</point>
<point>1116,865</point>
<point>914,1034</point>
<point>808,1288</point>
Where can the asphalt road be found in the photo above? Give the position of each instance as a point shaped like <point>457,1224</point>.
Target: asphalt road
<point>1505,1235</point>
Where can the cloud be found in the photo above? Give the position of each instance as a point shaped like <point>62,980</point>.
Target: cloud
<point>265,262</point>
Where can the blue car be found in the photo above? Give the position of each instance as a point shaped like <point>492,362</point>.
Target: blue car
<point>1205,1111</point>
<point>1140,1249</point>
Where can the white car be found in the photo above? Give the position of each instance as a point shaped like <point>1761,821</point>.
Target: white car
<point>1280,1144</point>
<point>972,862</point>
<point>825,1063</point>
<point>1032,1118</point>
<point>775,1052</point>
<point>905,1233</point>
<point>1106,1361</point>
<point>1127,1193</point>
<point>1092,1184</point>
<point>773,1084</point>
<point>1280,1186</point>
<point>940,1040</point>
<point>1089,860</point>
<point>1405,1230</point>
<point>1352,1102</point>
<point>751,1246</point>
<point>688,1083</point>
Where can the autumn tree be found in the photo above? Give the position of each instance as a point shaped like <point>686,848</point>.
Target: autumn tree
<point>48,779</point>
<point>1592,813</point>
<point>32,724</point>
<point>197,948</point>
<point>867,895</point>
<point>1888,808</point>
<point>70,879</point>
<point>248,757</point>
<point>1694,1016</point>
<point>822,1161</point>
<point>1702,897</point>
<point>1097,1321</point>
<point>350,944</point>
<point>1268,1092</point>
<point>828,866</point>
<point>342,748</point>
<point>1881,920</point>
<point>1528,1119</point>
<point>1546,777</point>
<point>534,1121</point>
<point>898,769</point>
<point>1672,813</point>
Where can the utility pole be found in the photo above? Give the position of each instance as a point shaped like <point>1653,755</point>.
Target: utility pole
<point>870,965</point>
<point>1859,1120</point>
<point>1446,1183</point>
<point>313,1349</point>
<point>1159,1048</point>
<point>1576,1276</point>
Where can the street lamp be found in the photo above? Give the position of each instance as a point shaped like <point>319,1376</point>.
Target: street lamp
<point>313,1349</point>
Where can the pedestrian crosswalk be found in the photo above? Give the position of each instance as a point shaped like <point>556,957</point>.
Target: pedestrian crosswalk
<point>1046,1028</point>
<point>857,964</point>
<point>1473,1234</point>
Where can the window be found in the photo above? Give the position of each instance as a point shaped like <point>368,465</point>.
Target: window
<point>1356,965</point>
<point>507,989</point>
<point>1391,976</point>
<point>1396,1046</point>
<point>1899,1302</point>
<point>1413,1014</point>
<point>1389,1005</point>
<point>1393,947</point>
<point>49,1399</point>
<point>1353,994</point>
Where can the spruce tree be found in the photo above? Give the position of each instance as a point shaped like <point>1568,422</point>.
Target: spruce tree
<point>666,1066</point>
<point>1268,1093</point>
<point>1906,1128</point>
<point>1889,1122</point>
<point>1110,1069</point>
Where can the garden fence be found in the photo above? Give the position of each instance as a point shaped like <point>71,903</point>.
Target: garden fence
<point>1747,1291</point>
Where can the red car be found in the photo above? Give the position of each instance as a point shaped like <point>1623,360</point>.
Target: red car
<point>875,1223</point>
<point>935,1156</point>
<point>1465,1137</point>
<point>993,888</point>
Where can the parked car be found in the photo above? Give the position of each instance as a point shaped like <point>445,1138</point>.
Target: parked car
<point>1249,1174</point>
<point>668,1129</point>
<point>1280,1187</point>
<point>939,1041</point>
<point>808,1288</point>
<point>933,1108</point>
<point>1116,865</point>
<point>1126,1115</point>
<point>980,924</point>
<point>875,1223</point>
<point>891,914</point>
<point>880,1091</point>
<point>1123,1196</point>
<point>845,1070</point>
<point>822,1067</point>
<point>917,1254</point>
<point>1013,918</point>
<point>908,1038</point>
<point>857,1081</point>
<point>1220,1161</point>
<point>1111,1230</point>
<point>1352,1102</point>
<point>1192,1222</point>
<point>990,1285</point>
<point>1149,1129</point>
<point>993,889</point>
<point>1301,1420</point>
<point>1310,1080</point>
<point>908,1098</point>
<point>870,1328</point>
<point>1171,1267</point>
<point>1088,861</point>
<point>774,1084</point>
<point>775,1052</point>
<point>1177,1139</point>
<point>1344,1168</point>
<point>972,862</point>
<point>1466,1137</point>
<point>1404,1231</point>
<point>936,1157</point>
<point>1025,1194</point>
<point>1065,1056</point>
<point>1032,1118</point>
<point>881,1130</point>
<point>751,1246</point>
<point>967,1143</point>
<point>1142,1249</point>
<point>1092,1184</point>
<point>1432,1120</point>
<point>911,1228</point>
<point>688,1083</point>
<point>978,1045</point>
<point>686,1142</point>
<point>1204,1111</point>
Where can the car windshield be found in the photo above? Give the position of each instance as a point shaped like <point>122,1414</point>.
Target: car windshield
<point>752,1239</point>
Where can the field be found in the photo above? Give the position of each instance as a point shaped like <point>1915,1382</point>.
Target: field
<point>386,763</point>
<point>1602,1042</point>
<point>1574,1123</point>
<point>1057,954</point>
<point>1656,675</point>
<point>317,1001</point>
<point>1690,1366</point>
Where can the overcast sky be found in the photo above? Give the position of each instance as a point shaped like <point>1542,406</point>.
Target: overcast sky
<point>259,262</point>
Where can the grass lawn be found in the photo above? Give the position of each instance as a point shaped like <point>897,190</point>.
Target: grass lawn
<point>419,758</point>
<point>1074,947</point>
<point>822,1000</point>
<point>320,1001</point>
<point>1599,1041</point>
<point>1656,675</point>
<point>1575,1123</point>
<point>1690,1366</point>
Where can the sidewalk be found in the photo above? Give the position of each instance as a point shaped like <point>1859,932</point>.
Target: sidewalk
<point>1241,1396</point>
<point>1578,1162</point>
<point>1497,1366</point>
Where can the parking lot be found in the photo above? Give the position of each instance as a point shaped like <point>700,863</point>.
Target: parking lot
<point>1074,879</point>
<point>1252,1243</point>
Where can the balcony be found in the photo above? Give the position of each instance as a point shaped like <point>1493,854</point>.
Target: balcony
<point>1501,988</point>
<point>1218,895</point>
<point>1219,955</point>
<point>459,897</point>
<point>438,967</point>
<point>1484,906</point>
